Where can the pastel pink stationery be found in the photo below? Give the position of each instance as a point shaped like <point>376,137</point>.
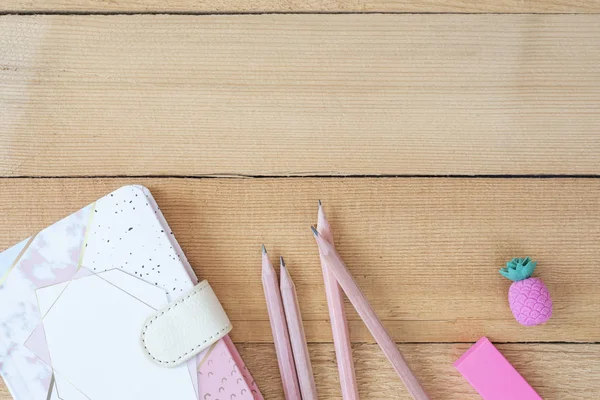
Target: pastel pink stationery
<point>337,316</point>
<point>112,263</point>
<point>492,375</point>
<point>367,314</point>
<point>293,317</point>
<point>281,336</point>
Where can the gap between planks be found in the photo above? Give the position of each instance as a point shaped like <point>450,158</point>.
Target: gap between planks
<point>189,7</point>
<point>241,176</point>
<point>259,13</point>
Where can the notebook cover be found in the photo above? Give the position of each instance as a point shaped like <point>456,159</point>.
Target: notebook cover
<point>125,230</point>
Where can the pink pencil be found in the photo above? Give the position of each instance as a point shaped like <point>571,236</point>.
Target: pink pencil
<point>337,315</point>
<point>361,304</point>
<point>281,338</point>
<point>297,337</point>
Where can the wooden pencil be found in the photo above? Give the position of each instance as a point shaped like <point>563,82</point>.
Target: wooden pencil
<point>281,338</point>
<point>337,316</point>
<point>366,312</point>
<point>293,317</point>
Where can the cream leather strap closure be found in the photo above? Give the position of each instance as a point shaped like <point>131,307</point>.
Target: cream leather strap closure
<point>185,327</point>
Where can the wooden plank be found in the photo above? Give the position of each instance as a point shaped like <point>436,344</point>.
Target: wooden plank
<point>231,6</point>
<point>426,252</point>
<point>556,371</point>
<point>299,94</point>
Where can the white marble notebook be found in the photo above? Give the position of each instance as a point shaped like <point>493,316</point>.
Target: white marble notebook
<point>72,297</point>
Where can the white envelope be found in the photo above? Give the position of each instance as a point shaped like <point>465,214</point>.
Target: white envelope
<point>92,328</point>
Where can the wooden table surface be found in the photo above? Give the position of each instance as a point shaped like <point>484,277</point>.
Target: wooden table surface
<point>444,138</point>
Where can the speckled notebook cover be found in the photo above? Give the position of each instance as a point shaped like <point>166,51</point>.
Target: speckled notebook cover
<point>123,230</point>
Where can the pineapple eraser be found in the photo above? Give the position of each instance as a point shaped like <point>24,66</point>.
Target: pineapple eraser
<point>494,378</point>
<point>528,297</point>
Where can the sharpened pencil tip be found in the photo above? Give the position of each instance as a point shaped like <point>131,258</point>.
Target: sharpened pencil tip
<point>315,232</point>
<point>264,250</point>
<point>281,262</point>
<point>320,204</point>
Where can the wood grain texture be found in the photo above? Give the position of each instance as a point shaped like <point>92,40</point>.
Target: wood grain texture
<point>426,252</point>
<point>299,94</point>
<point>460,6</point>
<point>556,371</point>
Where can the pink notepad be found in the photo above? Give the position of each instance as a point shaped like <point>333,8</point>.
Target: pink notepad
<point>492,375</point>
<point>123,231</point>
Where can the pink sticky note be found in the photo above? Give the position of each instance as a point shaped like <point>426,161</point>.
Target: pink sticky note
<point>492,375</point>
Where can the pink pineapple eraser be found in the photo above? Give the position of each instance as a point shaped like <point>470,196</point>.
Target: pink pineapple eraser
<point>528,297</point>
<point>492,375</point>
